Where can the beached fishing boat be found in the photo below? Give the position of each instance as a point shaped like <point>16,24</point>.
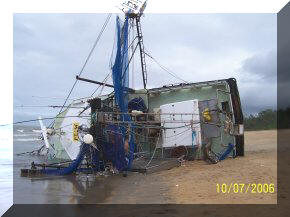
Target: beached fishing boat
<point>132,129</point>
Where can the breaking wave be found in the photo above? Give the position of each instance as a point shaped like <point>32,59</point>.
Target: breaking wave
<point>26,139</point>
<point>24,135</point>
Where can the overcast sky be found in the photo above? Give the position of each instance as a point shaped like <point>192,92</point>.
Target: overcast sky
<point>50,49</point>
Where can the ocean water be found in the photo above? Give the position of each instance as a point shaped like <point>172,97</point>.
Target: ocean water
<point>46,189</point>
<point>73,189</point>
<point>35,190</point>
<point>6,168</point>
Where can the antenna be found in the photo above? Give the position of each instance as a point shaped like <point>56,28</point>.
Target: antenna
<point>133,6</point>
<point>134,9</point>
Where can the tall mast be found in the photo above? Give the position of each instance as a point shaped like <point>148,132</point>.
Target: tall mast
<point>134,9</point>
<point>136,17</point>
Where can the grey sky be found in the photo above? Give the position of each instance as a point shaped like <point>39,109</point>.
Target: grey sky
<point>49,50</point>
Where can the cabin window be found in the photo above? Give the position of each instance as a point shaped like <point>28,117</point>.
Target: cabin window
<point>226,107</point>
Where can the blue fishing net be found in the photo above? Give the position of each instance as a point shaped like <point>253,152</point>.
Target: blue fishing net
<point>72,167</point>
<point>114,147</point>
<point>120,69</point>
<point>137,104</point>
<point>120,75</point>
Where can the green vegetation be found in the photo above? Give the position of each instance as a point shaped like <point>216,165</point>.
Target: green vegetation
<point>268,119</point>
<point>264,120</point>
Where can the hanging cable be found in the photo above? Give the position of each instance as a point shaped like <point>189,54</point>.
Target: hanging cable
<point>49,118</point>
<point>88,57</point>
<point>164,68</point>
<point>45,97</point>
<point>45,106</point>
<point>106,78</point>
<point>153,151</point>
<point>132,47</point>
<point>103,86</point>
<point>104,81</point>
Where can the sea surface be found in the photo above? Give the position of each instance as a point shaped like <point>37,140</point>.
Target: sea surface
<point>6,168</point>
<point>42,189</point>
<point>72,189</point>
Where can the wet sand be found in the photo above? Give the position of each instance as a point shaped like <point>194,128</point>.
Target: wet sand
<point>192,183</point>
<point>195,181</point>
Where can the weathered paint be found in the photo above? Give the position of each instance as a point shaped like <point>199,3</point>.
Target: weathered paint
<point>200,92</point>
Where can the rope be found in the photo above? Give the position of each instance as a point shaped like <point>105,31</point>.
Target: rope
<point>104,81</point>
<point>88,57</point>
<point>164,68</point>
<point>153,152</point>
<point>49,118</point>
<point>43,106</point>
<point>133,65</point>
<point>103,86</point>
<point>46,97</point>
<point>127,50</point>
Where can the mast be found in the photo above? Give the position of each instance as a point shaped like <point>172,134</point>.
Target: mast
<point>142,52</point>
<point>134,9</point>
<point>136,17</point>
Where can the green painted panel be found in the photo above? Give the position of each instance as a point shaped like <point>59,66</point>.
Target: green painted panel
<point>216,91</point>
<point>200,93</point>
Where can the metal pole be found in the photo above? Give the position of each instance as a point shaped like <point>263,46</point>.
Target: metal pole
<point>142,54</point>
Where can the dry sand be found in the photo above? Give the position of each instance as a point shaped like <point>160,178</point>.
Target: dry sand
<point>195,181</point>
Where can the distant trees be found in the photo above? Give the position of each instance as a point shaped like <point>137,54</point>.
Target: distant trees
<point>268,119</point>
<point>264,120</point>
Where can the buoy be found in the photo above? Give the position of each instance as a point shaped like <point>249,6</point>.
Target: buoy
<point>88,139</point>
<point>49,131</point>
<point>136,112</point>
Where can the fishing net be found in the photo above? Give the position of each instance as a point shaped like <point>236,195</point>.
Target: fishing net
<point>120,74</point>
<point>137,104</point>
<point>120,69</point>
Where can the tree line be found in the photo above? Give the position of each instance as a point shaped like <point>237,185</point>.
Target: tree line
<point>268,119</point>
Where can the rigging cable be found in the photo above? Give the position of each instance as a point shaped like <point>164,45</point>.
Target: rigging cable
<point>133,66</point>
<point>164,68</point>
<point>103,86</point>
<point>127,50</point>
<point>89,117</point>
<point>45,97</point>
<point>45,106</point>
<point>87,59</point>
<point>153,151</point>
<point>104,81</point>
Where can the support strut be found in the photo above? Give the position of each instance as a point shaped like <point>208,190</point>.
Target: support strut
<point>142,52</point>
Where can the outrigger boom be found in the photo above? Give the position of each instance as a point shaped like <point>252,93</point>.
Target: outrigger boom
<point>138,130</point>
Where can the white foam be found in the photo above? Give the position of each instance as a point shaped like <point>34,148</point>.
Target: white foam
<point>23,135</point>
<point>27,140</point>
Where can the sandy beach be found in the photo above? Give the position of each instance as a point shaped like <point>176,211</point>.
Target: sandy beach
<point>195,181</point>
